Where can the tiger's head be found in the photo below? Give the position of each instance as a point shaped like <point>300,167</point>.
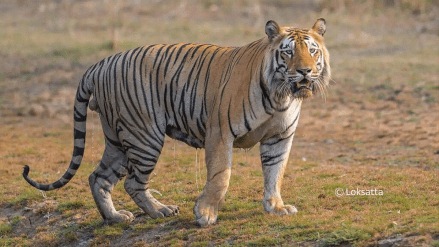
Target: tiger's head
<point>297,64</point>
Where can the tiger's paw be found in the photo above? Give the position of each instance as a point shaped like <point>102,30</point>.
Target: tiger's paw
<point>205,214</point>
<point>276,206</point>
<point>120,216</point>
<point>170,210</point>
<point>164,211</point>
<point>284,210</point>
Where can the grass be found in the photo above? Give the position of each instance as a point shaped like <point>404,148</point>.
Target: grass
<point>68,233</point>
<point>351,219</point>
<point>344,236</point>
<point>70,206</point>
<point>110,231</point>
<point>5,229</point>
<point>408,204</point>
<point>27,195</point>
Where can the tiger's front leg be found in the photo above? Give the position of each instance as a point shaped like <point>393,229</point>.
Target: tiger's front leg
<point>274,157</point>
<point>218,162</point>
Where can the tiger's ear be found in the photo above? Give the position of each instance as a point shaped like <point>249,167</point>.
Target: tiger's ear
<point>320,26</point>
<point>272,29</point>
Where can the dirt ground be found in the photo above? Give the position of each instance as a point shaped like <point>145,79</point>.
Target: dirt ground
<point>382,109</point>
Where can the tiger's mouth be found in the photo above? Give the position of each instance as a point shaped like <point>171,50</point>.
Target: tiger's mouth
<point>303,89</point>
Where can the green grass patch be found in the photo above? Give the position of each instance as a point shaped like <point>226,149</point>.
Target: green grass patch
<point>344,236</point>
<point>70,205</point>
<point>262,240</point>
<point>110,230</point>
<point>26,195</point>
<point>14,241</point>
<point>5,228</point>
<point>68,233</point>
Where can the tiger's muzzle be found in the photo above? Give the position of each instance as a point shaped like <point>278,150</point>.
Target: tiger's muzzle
<point>303,88</point>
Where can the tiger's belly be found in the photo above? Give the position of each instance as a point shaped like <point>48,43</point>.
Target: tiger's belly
<point>247,141</point>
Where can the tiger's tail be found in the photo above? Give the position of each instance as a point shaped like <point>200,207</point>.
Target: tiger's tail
<point>83,95</point>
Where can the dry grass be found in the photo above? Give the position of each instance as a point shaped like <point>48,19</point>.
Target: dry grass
<point>408,206</point>
<point>376,130</point>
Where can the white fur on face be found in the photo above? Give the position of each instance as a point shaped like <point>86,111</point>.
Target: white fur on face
<point>287,46</point>
<point>313,47</point>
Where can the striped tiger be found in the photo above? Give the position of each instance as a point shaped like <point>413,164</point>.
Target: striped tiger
<point>207,96</point>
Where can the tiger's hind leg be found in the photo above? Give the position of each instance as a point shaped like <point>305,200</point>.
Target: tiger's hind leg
<point>112,168</point>
<point>142,159</point>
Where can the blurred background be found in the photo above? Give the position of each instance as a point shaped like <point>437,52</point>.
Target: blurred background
<point>384,56</point>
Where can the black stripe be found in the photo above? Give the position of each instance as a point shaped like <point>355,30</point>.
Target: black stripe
<point>140,150</point>
<point>142,181</point>
<point>230,123</point>
<point>102,176</point>
<point>73,165</point>
<point>79,98</point>
<point>157,72</point>
<point>157,55</point>
<point>265,96</point>
<point>113,142</point>
<point>135,81</point>
<point>67,175</point>
<point>142,160</point>
<point>118,174</point>
<point>294,121</point>
<point>266,160</point>
<point>166,101</point>
<point>55,185</point>
<point>246,123</point>
<point>201,127</point>
<point>78,116</point>
<point>142,77</point>
<point>78,151</point>
<point>179,51</point>
<point>111,89</point>
<point>279,140</point>
<point>165,71</point>
<point>206,81</point>
<point>77,134</point>
<point>143,136</point>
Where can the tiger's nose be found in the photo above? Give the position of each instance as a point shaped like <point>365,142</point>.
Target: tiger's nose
<point>304,71</point>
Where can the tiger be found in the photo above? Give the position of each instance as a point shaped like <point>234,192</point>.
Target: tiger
<point>207,96</point>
